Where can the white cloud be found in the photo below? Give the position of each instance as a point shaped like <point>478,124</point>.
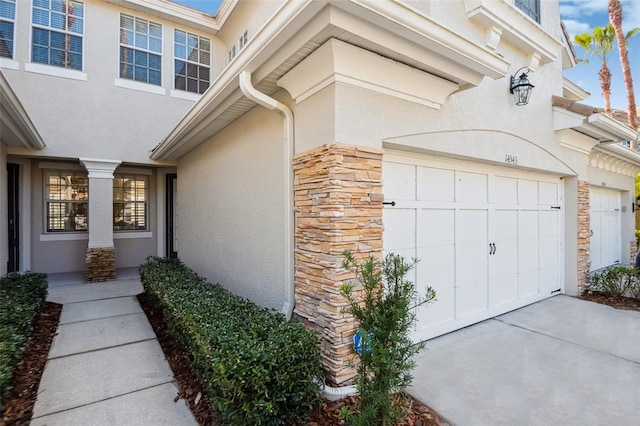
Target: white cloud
<point>582,8</point>
<point>576,27</point>
<point>631,15</point>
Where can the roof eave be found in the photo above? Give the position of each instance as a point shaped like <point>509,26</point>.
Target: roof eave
<point>15,117</point>
<point>478,60</point>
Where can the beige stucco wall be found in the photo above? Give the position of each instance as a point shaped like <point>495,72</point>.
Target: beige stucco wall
<point>231,208</point>
<point>95,118</point>
<point>68,253</point>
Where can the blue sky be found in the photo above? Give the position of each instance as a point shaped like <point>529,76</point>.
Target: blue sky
<point>582,16</point>
<point>579,16</point>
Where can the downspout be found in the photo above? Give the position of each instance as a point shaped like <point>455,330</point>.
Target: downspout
<point>330,393</point>
<point>268,102</point>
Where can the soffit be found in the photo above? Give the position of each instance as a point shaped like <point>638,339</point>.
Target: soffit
<point>297,30</point>
<point>15,124</point>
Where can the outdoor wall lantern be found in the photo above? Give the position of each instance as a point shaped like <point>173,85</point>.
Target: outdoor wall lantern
<point>521,88</point>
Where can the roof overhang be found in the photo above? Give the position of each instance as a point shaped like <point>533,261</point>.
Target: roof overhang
<point>391,30</point>
<point>585,119</point>
<point>180,14</point>
<point>17,128</point>
<point>572,91</point>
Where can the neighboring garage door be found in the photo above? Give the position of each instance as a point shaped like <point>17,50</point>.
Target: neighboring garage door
<point>487,238</point>
<point>606,222</point>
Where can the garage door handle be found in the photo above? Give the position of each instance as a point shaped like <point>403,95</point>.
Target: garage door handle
<point>492,249</point>
<point>389,203</point>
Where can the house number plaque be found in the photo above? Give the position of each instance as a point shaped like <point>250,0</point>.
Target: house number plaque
<point>511,159</point>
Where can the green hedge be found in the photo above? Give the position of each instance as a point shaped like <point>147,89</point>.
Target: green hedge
<point>255,367</point>
<point>21,296</point>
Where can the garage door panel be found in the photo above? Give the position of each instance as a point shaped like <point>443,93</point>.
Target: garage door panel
<point>503,264</point>
<point>436,227</point>
<point>527,191</point>
<point>506,190</point>
<point>458,210</point>
<point>435,184</point>
<point>437,270</point>
<point>399,181</point>
<point>606,227</point>
<point>471,187</point>
<point>471,227</point>
<point>399,229</point>
<point>548,193</point>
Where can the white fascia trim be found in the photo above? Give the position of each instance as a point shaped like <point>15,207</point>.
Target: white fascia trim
<point>17,116</point>
<point>598,126</point>
<point>55,71</point>
<point>337,61</point>
<point>142,87</point>
<point>421,29</point>
<point>613,127</point>
<point>228,80</point>
<point>621,152</point>
<point>173,12</point>
<point>517,28</point>
<point>573,91</point>
<point>59,166</point>
<point>254,55</point>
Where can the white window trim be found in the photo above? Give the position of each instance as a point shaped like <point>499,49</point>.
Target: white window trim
<point>56,71</point>
<point>188,96</point>
<point>39,68</point>
<point>14,21</point>
<point>61,167</point>
<point>140,85</point>
<point>9,64</point>
<point>140,172</point>
<point>84,236</point>
<point>125,83</point>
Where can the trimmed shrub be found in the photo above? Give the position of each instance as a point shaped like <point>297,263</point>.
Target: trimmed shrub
<point>254,366</point>
<point>618,280</point>
<point>21,296</point>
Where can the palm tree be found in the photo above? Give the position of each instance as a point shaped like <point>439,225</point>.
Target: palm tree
<point>600,43</point>
<point>615,18</point>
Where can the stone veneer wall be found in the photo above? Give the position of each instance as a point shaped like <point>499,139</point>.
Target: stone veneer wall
<point>101,264</point>
<point>584,235</point>
<point>338,206</point>
<point>633,250</point>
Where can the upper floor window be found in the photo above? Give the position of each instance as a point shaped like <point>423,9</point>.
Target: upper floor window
<point>58,27</point>
<point>66,200</point>
<point>140,49</point>
<point>530,7</point>
<point>192,59</point>
<point>7,20</point>
<point>130,202</point>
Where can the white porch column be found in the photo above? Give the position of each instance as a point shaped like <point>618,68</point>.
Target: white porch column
<point>101,256</point>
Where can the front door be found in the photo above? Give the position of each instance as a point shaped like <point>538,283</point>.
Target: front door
<point>172,223</point>
<point>13,263</point>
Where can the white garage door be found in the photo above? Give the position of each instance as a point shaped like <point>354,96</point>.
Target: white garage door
<point>606,222</point>
<point>488,238</point>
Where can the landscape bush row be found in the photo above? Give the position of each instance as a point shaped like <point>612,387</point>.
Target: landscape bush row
<point>619,280</point>
<point>21,296</point>
<point>255,366</point>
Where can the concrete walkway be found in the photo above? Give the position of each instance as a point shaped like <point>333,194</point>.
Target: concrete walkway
<point>105,366</point>
<point>562,361</point>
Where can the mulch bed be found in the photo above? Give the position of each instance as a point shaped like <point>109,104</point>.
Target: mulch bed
<point>617,302</point>
<point>26,378</point>
<point>20,401</point>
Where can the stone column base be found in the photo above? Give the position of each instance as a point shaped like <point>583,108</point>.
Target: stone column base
<point>101,264</point>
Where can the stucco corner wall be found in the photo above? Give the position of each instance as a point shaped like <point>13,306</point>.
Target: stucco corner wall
<point>231,215</point>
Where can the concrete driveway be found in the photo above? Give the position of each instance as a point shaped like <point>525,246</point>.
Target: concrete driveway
<point>562,361</point>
